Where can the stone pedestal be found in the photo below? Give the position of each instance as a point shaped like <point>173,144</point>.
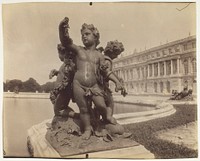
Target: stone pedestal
<point>39,147</point>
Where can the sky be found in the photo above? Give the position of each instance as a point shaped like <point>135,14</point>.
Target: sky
<point>30,31</point>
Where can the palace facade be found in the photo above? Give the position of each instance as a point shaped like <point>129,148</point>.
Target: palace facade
<point>161,69</point>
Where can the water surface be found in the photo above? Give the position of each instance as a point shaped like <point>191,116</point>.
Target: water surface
<point>19,114</point>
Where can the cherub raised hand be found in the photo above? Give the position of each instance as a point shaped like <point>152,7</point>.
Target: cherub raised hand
<point>53,73</point>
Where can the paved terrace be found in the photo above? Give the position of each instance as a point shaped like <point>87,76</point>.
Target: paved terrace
<point>150,99</point>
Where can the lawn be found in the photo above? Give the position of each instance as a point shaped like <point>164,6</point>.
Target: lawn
<point>144,133</point>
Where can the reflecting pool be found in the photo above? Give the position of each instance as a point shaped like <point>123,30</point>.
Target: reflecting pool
<point>19,114</point>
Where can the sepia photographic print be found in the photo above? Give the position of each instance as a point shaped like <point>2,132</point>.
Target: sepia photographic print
<point>99,80</point>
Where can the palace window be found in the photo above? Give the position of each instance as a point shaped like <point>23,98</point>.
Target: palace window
<point>156,69</point>
<point>127,73</point>
<point>164,53</point>
<point>142,72</point>
<point>161,87</point>
<point>174,64</point>
<point>150,70</point>
<point>138,72</point>
<point>142,87</point>
<point>145,87</point>
<point>170,51</point>
<point>176,48</point>
<point>168,67</point>
<point>146,71</point>
<point>185,47</point>
<point>185,64</point>
<point>158,54</point>
<point>168,86</point>
<point>193,44</point>
<point>155,87</point>
<point>132,85</point>
<point>137,87</point>
<point>131,73</point>
<point>162,68</point>
<point>124,73</point>
<point>194,67</point>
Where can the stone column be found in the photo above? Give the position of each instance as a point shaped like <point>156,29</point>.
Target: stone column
<point>139,72</point>
<point>123,74</point>
<point>141,76</point>
<point>124,71</point>
<point>127,73</point>
<point>189,66</point>
<point>146,71</point>
<point>130,74</point>
<point>133,73</point>
<point>172,68</point>
<point>165,68</point>
<point>178,66</point>
<point>158,69</point>
<point>153,70</point>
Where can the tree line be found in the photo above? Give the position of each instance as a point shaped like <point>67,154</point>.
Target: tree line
<point>30,85</point>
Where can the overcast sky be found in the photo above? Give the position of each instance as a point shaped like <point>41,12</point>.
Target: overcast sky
<point>30,30</point>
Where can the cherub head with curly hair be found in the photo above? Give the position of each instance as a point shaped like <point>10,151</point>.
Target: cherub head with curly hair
<point>113,49</point>
<point>89,28</point>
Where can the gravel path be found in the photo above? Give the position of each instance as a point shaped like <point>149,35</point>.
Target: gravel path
<point>185,135</point>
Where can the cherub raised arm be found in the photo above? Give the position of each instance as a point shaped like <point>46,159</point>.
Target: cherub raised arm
<point>90,66</point>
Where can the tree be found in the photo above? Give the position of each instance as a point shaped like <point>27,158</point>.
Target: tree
<point>13,84</point>
<point>31,85</point>
<point>5,89</point>
<point>47,87</point>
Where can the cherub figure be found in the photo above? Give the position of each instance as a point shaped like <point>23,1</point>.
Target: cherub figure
<point>62,93</point>
<point>88,80</point>
<point>112,50</point>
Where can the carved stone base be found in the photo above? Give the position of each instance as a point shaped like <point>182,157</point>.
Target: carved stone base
<point>95,147</point>
<point>66,137</point>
